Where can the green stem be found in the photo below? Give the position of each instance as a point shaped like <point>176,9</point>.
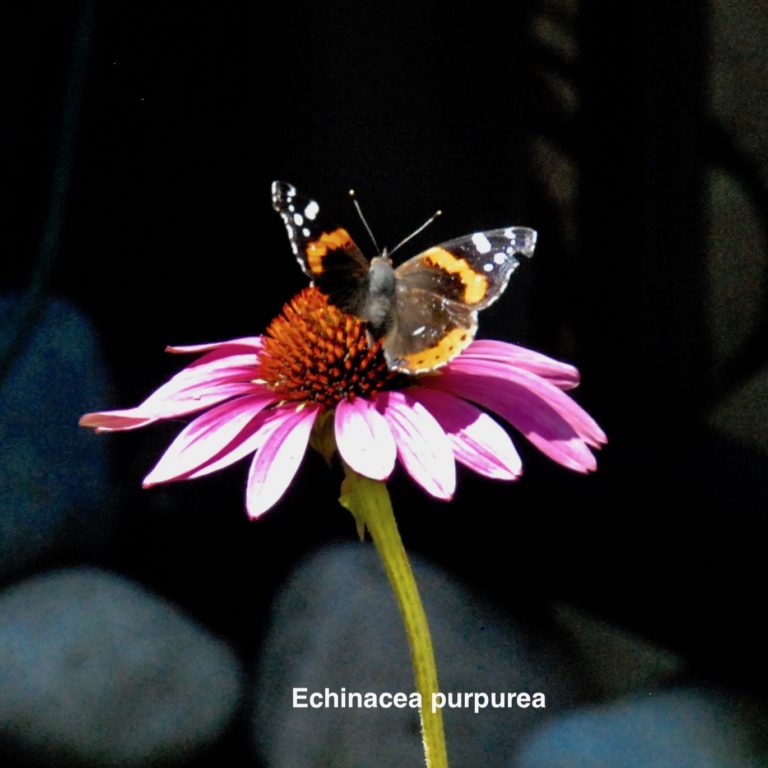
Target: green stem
<point>368,501</point>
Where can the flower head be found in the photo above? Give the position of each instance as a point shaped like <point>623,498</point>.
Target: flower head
<point>263,395</point>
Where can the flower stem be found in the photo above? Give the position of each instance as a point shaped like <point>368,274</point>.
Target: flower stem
<point>368,501</point>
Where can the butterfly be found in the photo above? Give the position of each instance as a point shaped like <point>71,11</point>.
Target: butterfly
<point>425,310</point>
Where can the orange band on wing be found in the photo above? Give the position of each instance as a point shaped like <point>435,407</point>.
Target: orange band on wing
<point>475,284</point>
<point>433,357</point>
<point>339,239</point>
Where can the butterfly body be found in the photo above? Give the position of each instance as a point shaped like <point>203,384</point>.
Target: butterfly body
<point>424,310</point>
<point>377,309</point>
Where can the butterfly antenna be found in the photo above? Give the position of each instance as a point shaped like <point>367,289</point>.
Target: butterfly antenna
<point>362,218</point>
<point>418,231</point>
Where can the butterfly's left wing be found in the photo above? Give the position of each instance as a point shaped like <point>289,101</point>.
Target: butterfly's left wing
<point>327,255</point>
<point>439,292</point>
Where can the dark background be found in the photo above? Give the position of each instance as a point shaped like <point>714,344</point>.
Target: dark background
<point>138,142</point>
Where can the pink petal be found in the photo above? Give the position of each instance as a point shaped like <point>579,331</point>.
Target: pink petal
<point>478,441</point>
<point>584,425</point>
<point>221,361</point>
<point>211,436</point>
<point>245,343</point>
<point>155,409</point>
<point>364,439</point>
<point>198,386</point>
<point>422,446</point>
<point>505,355</point>
<point>277,461</point>
<point>114,421</point>
<point>587,428</point>
<point>250,440</point>
<point>247,442</point>
<point>551,424</point>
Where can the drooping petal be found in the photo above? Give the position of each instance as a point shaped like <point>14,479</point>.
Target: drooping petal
<point>502,356</point>
<point>199,386</point>
<point>184,403</point>
<point>478,441</point>
<point>115,421</point>
<point>278,459</point>
<point>364,439</point>
<point>559,428</point>
<point>211,436</point>
<point>422,446</point>
<point>587,428</point>
<point>584,425</point>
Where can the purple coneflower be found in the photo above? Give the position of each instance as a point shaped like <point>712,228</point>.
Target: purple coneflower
<point>314,370</point>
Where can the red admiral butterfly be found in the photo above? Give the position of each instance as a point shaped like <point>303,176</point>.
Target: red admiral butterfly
<point>426,309</point>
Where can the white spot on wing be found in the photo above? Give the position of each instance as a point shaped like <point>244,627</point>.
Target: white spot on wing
<point>499,258</point>
<point>488,267</point>
<point>481,242</point>
<point>523,240</point>
<point>419,330</point>
<point>298,219</point>
<point>312,210</point>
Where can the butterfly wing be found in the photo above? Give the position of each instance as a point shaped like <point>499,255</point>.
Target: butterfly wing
<point>328,256</point>
<point>472,270</point>
<point>427,329</point>
<point>440,291</point>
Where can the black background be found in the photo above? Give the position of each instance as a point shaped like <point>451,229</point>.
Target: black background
<point>139,189</point>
